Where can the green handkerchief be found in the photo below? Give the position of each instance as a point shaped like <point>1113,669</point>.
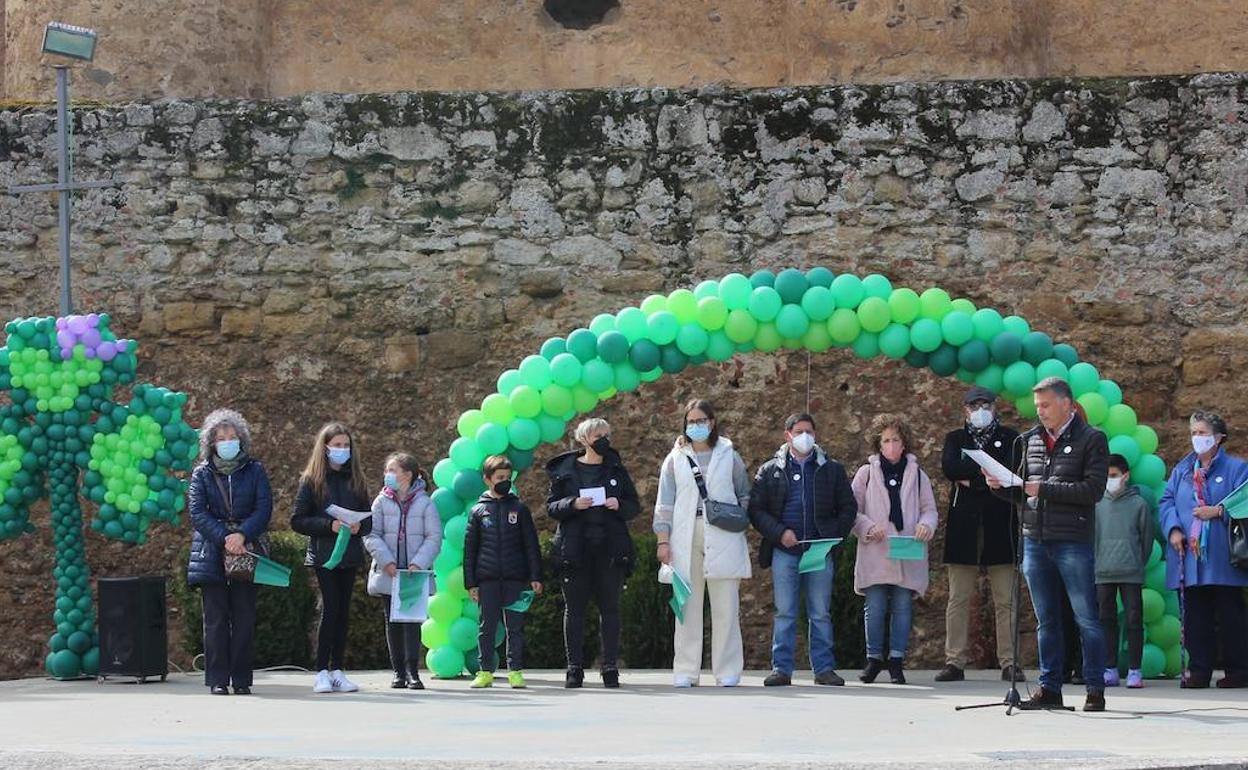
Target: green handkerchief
<point>340,548</point>
<point>816,555</point>
<point>906,548</point>
<point>411,588</point>
<point>680,596</point>
<point>271,573</point>
<point>523,603</point>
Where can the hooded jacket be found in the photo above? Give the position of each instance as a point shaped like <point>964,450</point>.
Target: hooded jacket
<point>570,542</point>
<point>501,542</point>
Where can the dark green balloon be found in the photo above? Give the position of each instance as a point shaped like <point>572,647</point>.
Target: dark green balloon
<point>1037,348</point>
<point>791,284</point>
<point>917,358</point>
<point>1066,354</point>
<point>1006,348</point>
<point>763,278</point>
<point>583,344</point>
<point>613,347</point>
<point>974,356</point>
<point>672,360</point>
<point>820,276</point>
<point>644,355</point>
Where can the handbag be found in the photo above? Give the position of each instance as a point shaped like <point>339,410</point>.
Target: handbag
<point>729,517</point>
<point>1237,541</point>
<point>240,567</point>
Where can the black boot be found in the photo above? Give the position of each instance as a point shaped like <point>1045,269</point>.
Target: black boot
<point>611,678</point>
<point>413,678</point>
<point>574,678</point>
<point>872,670</point>
<point>895,670</point>
<point>399,681</point>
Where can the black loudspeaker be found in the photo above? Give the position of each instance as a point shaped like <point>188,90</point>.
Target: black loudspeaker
<point>134,637</point>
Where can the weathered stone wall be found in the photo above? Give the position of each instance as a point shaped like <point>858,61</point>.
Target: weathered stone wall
<point>277,48</point>
<point>380,259</point>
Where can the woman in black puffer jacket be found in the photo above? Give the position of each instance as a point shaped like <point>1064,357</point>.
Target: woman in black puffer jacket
<point>592,548</point>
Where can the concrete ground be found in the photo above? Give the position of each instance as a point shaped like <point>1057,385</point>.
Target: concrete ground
<point>177,724</point>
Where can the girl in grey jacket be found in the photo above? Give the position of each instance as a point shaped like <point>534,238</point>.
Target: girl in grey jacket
<point>406,535</point>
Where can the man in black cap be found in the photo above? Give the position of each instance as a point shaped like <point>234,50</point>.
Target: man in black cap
<point>981,533</point>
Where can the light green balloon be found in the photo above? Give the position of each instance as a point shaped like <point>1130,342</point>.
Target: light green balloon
<point>692,339</point>
<point>1026,406</point>
<point>631,322</point>
<point>469,423</point>
<point>655,303</point>
<point>1052,368</point>
<point>767,339</point>
<point>1146,437</point>
<point>964,305</point>
<point>848,291</point>
<point>712,313</point>
<point>1094,407</point>
<point>816,339</point>
<point>904,306</point>
<point>844,327</point>
<point>663,327</point>
<point>565,368</point>
<point>583,399</point>
<point>957,328</point>
<point>497,408</point>
<point>818,303</point>
<point>792,322</point>
<point>682,304</point>
<point>988,324</point>
<point>740,326</point>
<point>1016,325</point>
<point>874,314</point>
<point>876,285</point>
<point>735,290</point>
<point>992,377</point>
<point>535,372</point>
<point>1019,378</point>
<point>1111,391</point>
<point>765,304</point>
<point>895,341</point>
<point>1120,421</point>
<point>556,400</point>
<point>706,289</point>
<point>603,322</point>
<point>525,401</point>
<point>935,303</point>
<point>509,381</point>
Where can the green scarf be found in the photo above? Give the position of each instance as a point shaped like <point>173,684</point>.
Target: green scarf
<point>228,466</point>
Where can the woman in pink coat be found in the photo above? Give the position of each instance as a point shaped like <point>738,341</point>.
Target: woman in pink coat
<point>894,498</point>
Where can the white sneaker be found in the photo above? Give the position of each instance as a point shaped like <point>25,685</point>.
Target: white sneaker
<point>731,681</point>
<point>323,682</point>
<point>341,683</point>
<point>683,682</point>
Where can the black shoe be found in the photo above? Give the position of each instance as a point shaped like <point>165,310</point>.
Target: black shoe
<point>244,690</point>
<point>1191,682</point>
<point>950,673</point>
<point>778,679</point>
<point>399,681</point>
<point>895,670</point>
<point>611,678</point>
<point>872,670</point>
<point>1013,673</point>
<point>220,690</point>
<point>1232,682</point>
<point>1042,699</point>
<point>830,678</point>
<point>1077,678</point>
<point>574,678</point>
<point>414,683</point>
<point>1095,701</point>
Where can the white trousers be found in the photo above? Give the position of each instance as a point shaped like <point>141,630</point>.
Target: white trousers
<point>727,655</point>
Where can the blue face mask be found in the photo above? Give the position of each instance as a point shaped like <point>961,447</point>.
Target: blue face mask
<point>228,450</point>
<point>338,455</point>
<point>392,482</point>
<point>698,432</point>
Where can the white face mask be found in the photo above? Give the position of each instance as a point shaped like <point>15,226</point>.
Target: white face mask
<point>1113,484</point>
<point>1203,444</point>
<point>803,443</point>
<point>981,418</point>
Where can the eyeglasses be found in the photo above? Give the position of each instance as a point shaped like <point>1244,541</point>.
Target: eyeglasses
<point>701,421</point>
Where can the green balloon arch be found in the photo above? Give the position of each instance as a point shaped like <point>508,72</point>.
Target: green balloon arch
<point>812,310</point>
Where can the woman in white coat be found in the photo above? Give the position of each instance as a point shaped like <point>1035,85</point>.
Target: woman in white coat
<point>711,560</point>
<point>407,535</point>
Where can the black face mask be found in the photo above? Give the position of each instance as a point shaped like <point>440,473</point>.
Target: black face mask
<point>502,488</point>
<point>601,445</point>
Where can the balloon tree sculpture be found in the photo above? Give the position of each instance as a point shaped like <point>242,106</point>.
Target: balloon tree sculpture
<point>812,310</point>
<point>60,374</point>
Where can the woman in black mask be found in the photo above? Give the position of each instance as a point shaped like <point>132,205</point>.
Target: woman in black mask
<point>592,498</point>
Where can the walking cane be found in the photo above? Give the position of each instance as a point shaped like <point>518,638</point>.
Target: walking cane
<point>1183,676</point>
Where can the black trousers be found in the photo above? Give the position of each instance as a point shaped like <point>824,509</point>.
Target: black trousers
<point>229,633</point>
<point>1210,612</point>
<point>494,595</point>
<point>403,641</point>
<point>1133,604</point>
<point>595,577</point>
<point>336,587</point>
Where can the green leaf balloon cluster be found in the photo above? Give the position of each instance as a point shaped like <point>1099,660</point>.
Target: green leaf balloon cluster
<point>814,310</point>
<point>60,374</point>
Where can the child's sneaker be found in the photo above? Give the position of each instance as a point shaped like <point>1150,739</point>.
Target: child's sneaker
<point>482,680</point>
<point>341,683</point>
<point>1111,677</point>
<point>516,680</point>
<point>323,682</point>
<point>1135,679</point>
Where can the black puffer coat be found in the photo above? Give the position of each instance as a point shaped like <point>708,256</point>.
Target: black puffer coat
<point>501,542</point>
<point>251,506</point>
<point>834,505</point>
<point>570,542</point>
<point>311,519</point>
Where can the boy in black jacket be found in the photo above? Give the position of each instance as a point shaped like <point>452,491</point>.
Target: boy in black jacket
<point>501,555</point>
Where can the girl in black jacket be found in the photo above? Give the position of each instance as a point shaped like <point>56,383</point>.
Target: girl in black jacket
<point>332,477</point>
<point>592,548</point>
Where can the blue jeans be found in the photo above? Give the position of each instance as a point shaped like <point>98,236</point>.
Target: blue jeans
<point>787,585</point>
<point>892,606</point>
<point>1050,569</point>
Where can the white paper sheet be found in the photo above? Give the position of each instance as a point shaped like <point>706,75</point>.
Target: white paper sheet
<point>994,468</point>
<point>347,516</point>
<point>416,613</point>
<point>597,494</point>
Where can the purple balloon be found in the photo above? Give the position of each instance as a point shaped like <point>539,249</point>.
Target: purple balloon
<point>61,323</point>
<point>89,352</point>
<point>77,324</point>
<point>93,320</point>
<point>106,351</point>
<point>66,354</point>
<point>65,339</point>
<point>91,338</point>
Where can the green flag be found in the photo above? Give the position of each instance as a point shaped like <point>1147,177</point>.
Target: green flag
<point>1237,502</point>
<point>340,548</point>
<point>680,596</point>
<point>411,588</point>
<point>271,573</point>
<point>905,548</point>
<point>523,603</point>
<point>816,555</point>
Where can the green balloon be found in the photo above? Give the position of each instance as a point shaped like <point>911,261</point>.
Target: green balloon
<point>1019,378</point>
<point>631,322</point>
<point>712,313</point>
<point>1006,348</point>
<point>767,339</point>
<point>597,375</point>
<point>943,360</point>
<point>551,427</point>
<point>1094,407</point>
<point>64,665</point>
<point>672,360</point>
<point>663,327</point>
<point>627,378</point>
<point>492,438</point>
<point>974,355</point>
<point>874,314</point>
<point>448,503</point>
<point>1154,606</point>
<point>992,378</point>
<point>904,305</point>
<point>524,434</point>
<point>844,326</point>
<point>565,369</point>
<point>445,662</point>
<point>1155,578</point>
<point>657,372</point>
<point>762,278</point>
<point>718,347</point>
<point>612,347</point>
<point>792,322</point>
<point>816,339</point>
<point>553,347</point>
<point>765,304</point>
<point>1165,632</point>
<point>818,303</point>
<point>470,422</point>
<point>1174,661</point>
<point>1026,406</point>
<point>1153,662</point>
<point>535,371</point>
<point>654,304</point>
<point>1146,438</point>
<point>848,291</point>
<point>509,381</point>
<point>1121,421</point>
<point>876,285</point>
<point>1084,379</point>
<point>895,341</point>
<point>957,328</point>
<point>916,358</point>
<point>740,326</point>
<point>682,304</point>
<point>453,535</point>
<point>734,290</point>
<point>583,344</point>
<point>866,345</point>
<point>1016,326</point>
<point>1066,354</point>
<point>603,322</point>
<point>692,339</point>
<point>525,402</point>
<point>791,284</point>
<point>1037,348</point>
<point>964,305</point>
<point>583,399</point>
<point>463,634</point>
<point>644,355</point>
<point>556,400</point>
<point>935,303</point>
<point>1110,390</point>
<point>925,335</point>
<point>706,289</point>
<point>988,324</point>
<point>466,454</point>
<point>1052,368</point>
<point>820,276</point>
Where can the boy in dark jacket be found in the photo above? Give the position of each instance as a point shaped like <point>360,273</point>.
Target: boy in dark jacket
<point>1124,542</point>
<point>501,555</point>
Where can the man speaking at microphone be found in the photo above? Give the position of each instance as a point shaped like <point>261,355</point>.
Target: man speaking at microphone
<point>1067,462</point>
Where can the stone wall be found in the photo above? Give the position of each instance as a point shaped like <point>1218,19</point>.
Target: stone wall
<point>277,48</point>
<point>380,259</point>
